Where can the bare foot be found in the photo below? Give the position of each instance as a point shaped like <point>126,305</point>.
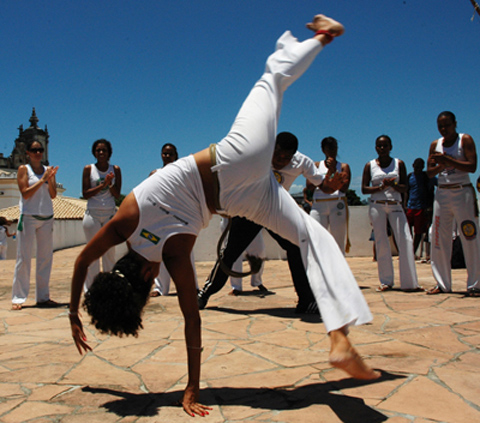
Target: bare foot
<point>324,23</point>
<point>344,356</point>
<point>16,306</point>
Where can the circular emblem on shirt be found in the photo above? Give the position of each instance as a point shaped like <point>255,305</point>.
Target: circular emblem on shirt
<point>278,176</point>
<point>469,229</point>
<point>340,205</point>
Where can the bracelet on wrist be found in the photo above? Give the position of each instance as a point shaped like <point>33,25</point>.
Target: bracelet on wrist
<point>195,348</point>
<point>326,33</point>
<point>73,313</point>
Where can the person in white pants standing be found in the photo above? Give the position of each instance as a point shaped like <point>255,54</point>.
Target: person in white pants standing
<point>452,158</point>
<point>384,178</point>
<point>255,248</point>
<point>37,186</point>
<point>101,184</point>
<point>330,209</point>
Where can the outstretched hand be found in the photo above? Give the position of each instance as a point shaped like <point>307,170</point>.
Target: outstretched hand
<point>79,335</point>
<point>191,405</point>
<point>334,182</point>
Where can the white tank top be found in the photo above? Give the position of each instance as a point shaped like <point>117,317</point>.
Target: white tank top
<point>170,202</point>
<point>378,174</point>
<point>104,200</point>
<point>450,175</point>
<point>318,194</point>
<point>40,203</point>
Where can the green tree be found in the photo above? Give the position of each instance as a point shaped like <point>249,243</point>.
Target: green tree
<point>119,200</point>
<point>353,199</point>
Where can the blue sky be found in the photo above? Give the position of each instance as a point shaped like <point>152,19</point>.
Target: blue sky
<point>142,73</point>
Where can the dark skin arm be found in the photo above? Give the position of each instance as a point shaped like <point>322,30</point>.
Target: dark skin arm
<point>438,161</point>
<point>177,259</point>
<point>400,186</point>
<point>346,177</point>
<point>113,233</point>
<point>89,191</point>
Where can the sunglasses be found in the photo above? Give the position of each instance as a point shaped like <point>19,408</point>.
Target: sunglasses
<point>37,150</point>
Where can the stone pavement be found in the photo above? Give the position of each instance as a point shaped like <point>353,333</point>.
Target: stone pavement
<point>262,363</point>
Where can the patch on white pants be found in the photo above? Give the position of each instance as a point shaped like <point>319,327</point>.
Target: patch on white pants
<point>469,229</point>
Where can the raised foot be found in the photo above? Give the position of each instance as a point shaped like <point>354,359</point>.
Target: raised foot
<point>352,363</point>
<point>322,22</point>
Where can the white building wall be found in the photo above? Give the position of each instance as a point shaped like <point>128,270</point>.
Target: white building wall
<point>69,233</point>
<point>66,234</point>
<point>359,229</point>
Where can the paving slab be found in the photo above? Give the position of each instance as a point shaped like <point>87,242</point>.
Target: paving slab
<point>261,361</point>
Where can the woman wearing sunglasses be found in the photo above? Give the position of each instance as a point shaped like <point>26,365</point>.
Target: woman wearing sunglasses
<point>37,186</point>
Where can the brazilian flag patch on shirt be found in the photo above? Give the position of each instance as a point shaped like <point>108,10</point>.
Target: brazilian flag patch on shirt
<point>151,237</point>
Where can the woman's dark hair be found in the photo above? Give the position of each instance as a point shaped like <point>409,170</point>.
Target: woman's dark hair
<point>3,221</point>
<point>107,144</point>
<point>329,142</point>
<point>171,146</point>
<point>447,114</point>
<point>116,299</point>
<point>286,141</point>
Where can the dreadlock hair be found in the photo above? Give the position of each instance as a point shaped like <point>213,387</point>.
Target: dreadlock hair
<point>116,299</point>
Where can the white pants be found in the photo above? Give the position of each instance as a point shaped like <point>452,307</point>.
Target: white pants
<point>162,281</point>
<point>332,215</point>
<point>3,251</point>
<point>249,189</point>
<point>42,230</point>
<point>93,221</point>
<point>455,205</point>
<point>379,213</point>
<point>255,248</point>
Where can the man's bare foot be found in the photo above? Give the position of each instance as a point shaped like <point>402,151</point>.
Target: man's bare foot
<point>324,23</point>
<point>344,356</point>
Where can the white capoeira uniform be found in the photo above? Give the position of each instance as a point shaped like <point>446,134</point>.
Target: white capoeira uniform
<point>255,248</point>
<point>330,210</point>
<point>300,164</point>
<point>454,201</point>
<point>249,189</point>
<point>100,210</point>
<point>36,221</point>
<point>387,204</point>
